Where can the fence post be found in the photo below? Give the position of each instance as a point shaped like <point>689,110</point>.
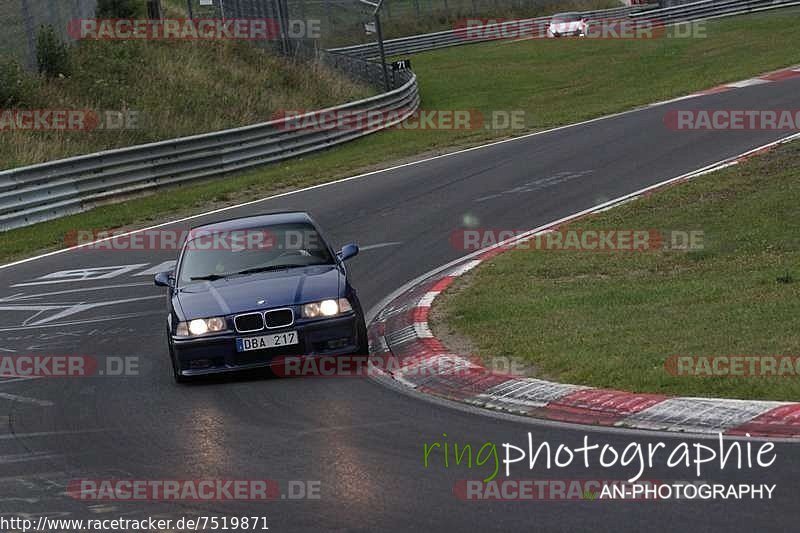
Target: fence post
<point>383,52</point>
<point>154,9</point>
<point>30,33</point>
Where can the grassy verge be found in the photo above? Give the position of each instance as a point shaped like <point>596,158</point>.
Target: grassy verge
<point>405,21</point>
<point>592,79</point>
<point>12,38</point>
<point>614,319</point>
<point>343,24</point>
<point>175,89</point>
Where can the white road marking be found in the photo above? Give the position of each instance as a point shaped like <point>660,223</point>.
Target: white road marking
<point>22,296</point>
<point>713,167</point>
<point>25,399</point>
<point>84,321</point>
<point>422,330</point>
<point>163,267</point>
<point>466,267</point>
<point>335,182</point>
<point>747,83</point>
<point>427,300</point>
<point>16,379</point>
<point>25,457</point>
<point>82,274</point>
<point>380,245</point>
<point>35,434</point>
<point>66,309</point>
<point>538,184</point>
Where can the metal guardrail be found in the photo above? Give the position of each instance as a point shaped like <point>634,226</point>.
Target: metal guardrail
<point>461,36</point>
<point>711,9</point>
<point>702,10</point>
<point>51,190</point>
<point>59,188</point>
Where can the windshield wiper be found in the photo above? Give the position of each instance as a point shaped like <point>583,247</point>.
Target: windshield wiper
<point>210,277</point>
<point>256,270</point>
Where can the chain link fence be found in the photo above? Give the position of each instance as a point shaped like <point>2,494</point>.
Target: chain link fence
<point>315,24</point>
<point>336,23</point>
<point>307,27</point>
<point>21,20</point>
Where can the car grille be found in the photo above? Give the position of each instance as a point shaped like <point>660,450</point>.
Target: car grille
<point>279,318</point>
<point>249,322</point>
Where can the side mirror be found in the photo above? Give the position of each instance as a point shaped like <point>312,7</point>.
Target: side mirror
<point>163,279</point>
<point>348,251</point>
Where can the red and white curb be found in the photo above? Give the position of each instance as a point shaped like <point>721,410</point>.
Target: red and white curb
<point>400,330</point>
<point>770,77</point>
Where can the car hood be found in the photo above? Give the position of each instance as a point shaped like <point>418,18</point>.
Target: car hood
<point>278,289</point>
<point>564,26</point>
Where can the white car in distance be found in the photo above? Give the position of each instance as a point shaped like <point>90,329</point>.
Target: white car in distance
<point>567,25</point>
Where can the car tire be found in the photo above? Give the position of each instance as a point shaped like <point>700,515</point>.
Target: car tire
<point>363,339</point>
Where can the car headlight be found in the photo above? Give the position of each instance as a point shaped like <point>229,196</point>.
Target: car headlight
<point>327,308</point>
<point>200,326</point>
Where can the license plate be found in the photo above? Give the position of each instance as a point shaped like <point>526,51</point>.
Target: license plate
<point>265,342</point>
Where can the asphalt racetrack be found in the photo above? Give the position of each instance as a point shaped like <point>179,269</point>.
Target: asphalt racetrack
<point>361,440</point>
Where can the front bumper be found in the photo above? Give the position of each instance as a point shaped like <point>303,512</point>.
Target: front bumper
<point>217,354</point>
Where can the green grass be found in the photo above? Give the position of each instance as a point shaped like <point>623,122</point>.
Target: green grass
<point>177,89</point>
<point>552,82</point>
<point>400,19</point>
<point>343,25</point>
<point>13,41</point>
<point>612,319</point>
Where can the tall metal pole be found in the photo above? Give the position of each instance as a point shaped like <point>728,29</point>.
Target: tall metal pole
<point>283,18</point>
<point>190,9</point>
<point>30,32</point>
<point>379,32</point>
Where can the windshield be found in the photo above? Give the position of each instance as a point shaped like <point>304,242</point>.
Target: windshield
<point>566,17</point>
<point>209,256</point>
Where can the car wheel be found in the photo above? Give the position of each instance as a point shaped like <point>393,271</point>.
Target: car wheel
<point>363,339</point>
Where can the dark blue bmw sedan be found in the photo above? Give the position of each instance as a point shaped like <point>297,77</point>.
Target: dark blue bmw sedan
<point>245,292</point>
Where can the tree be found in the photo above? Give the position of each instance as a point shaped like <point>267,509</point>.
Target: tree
<point>52,53</point>
<point>118,9</point>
